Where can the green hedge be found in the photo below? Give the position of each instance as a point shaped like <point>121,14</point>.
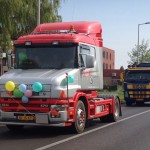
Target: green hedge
<point>110,87</point>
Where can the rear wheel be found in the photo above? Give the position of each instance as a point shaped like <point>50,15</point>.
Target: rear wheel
<point>115,115</point>
<point>80,119</point>
<point>15,127</point>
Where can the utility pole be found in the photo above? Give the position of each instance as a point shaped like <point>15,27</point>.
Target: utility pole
<point>38,11</point>
<point>138,39</point>
<point>1,61</point>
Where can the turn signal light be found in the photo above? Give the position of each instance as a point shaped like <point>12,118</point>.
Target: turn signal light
<point>62,94</point>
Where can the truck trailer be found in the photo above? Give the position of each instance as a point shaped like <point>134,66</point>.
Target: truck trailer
<point>56,75</point>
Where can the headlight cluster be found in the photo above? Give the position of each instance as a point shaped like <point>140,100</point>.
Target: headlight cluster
<point>59,107</point>
<point>55,110</point>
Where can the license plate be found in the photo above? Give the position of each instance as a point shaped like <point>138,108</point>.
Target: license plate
<point>26,118</point>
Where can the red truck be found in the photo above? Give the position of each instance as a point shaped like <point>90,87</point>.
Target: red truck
<point>56,74</point>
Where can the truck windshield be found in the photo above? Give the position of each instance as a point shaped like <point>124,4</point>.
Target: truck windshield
<point>137,76</point>
<point>46,57</point>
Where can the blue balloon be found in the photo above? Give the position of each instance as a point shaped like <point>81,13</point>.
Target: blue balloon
<point>25,99</point>
<point>37,87</point>
<point>70,80</point>
<point>22,87</point>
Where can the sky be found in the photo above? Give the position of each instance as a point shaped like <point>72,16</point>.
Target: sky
<point>119,20</point>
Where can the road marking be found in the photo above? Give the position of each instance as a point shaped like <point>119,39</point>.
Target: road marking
<point>90,131</point>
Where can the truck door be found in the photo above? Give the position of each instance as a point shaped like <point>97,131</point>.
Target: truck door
<point>89,76</point>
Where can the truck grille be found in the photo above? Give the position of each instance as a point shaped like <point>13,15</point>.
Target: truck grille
<point>139,91</point>
<point>16,105</point>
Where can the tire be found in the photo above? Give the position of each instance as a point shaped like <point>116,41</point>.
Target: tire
<point>88,122</point>
<point>80,118</point>
<point>15,128</point>
<point>115,115</point>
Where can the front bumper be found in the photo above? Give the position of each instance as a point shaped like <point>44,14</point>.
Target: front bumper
<point>33,119</point>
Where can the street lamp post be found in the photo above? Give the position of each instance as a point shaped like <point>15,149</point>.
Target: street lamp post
<point>139,37</point>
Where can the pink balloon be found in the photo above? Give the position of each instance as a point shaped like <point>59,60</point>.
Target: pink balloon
<point>28,93</point>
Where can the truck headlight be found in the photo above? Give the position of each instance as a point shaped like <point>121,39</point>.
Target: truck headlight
<point>55,110</point>
<point>59,107</point>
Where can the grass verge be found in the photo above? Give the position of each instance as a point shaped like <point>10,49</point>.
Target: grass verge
<point>119,92</point>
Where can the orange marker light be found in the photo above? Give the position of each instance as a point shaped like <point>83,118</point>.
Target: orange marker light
<point>72,29</point>
<point>62,94</point>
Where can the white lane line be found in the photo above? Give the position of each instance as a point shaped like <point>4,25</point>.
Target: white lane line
<point>90,131</point>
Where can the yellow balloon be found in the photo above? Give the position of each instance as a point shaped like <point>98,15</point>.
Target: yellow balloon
<point>10,86</point>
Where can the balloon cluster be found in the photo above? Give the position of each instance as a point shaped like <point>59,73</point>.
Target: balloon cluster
<point>21,91</point>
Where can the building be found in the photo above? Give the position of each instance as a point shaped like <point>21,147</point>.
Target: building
<point>111,75</point>
<point>108,58</point>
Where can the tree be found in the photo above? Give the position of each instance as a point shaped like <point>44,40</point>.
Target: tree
<point>19,17</point>
<point>140,55</point>
<point>121,68</point>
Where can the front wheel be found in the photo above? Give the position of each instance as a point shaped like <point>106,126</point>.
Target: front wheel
<point>80,119</point>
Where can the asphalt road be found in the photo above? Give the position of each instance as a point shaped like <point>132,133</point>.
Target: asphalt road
<point>131,132</point>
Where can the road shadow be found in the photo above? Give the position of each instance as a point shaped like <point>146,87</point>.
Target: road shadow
<point>29,132</point>
<point>33,132</point>
<point>146,104</point>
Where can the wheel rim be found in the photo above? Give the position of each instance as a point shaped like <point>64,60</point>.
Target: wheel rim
<point>117,105</point>
<point>80,117</point>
